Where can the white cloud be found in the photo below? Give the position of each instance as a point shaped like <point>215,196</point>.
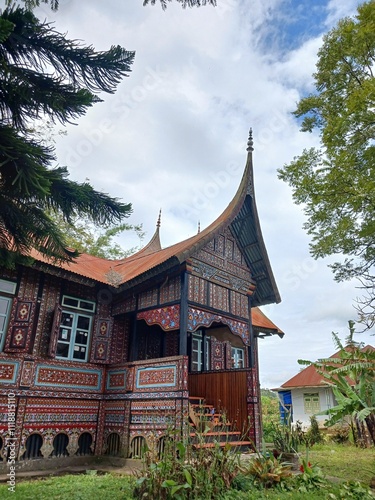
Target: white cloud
<point>174,136</point>
<point>338,9</point>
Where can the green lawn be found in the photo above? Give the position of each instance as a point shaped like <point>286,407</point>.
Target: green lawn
<point>72,487</point>
<point>345,463</point>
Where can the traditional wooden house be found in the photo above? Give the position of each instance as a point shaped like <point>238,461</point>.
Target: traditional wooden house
<point>99,356</point>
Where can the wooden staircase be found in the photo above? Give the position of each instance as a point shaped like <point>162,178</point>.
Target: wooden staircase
<point>209,427</point>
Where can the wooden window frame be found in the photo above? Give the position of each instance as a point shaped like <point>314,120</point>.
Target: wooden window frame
<point>235,359</point>
<point>315,408</point>
<point>76,313</point>
<point>6,294</point>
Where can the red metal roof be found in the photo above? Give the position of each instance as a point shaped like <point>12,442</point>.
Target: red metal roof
<point>153,259</point>
<point>261,322</point>
<point>309,377</point>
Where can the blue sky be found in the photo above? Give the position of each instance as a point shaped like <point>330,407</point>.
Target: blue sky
<point>174,137</point>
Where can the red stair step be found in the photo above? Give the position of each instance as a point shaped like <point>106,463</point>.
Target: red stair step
<point>231,443</point>
<point>224,433</point>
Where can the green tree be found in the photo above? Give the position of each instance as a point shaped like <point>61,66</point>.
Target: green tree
<point>270,413</point>
<point>84,237</point>
<point>352,378</point>
<point>43,74</point>
<point>336,182</point>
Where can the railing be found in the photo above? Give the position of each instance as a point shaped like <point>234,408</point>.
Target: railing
<point>227,391</point>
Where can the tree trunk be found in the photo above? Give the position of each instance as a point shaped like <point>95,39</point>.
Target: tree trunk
<point>370,422</point>
<point>360,437</point>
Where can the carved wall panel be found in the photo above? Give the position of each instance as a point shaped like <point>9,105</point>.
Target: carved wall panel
<point>120,340</point>
<point>171,290</point>
<point>125,305</point>
<point>148,298</point>
<point>218,297</point>
<point>197,290</point>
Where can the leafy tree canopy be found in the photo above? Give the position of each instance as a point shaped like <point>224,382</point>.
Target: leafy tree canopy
<point>84,237</point>
<point>43,74</point>
<point>336,182</point>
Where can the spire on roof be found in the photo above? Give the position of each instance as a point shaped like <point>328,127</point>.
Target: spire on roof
<point>199,226</point>
<point>158,223</point>
<point>250,141</point>
<point>153,245</point>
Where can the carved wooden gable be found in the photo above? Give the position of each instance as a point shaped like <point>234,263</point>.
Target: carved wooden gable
<point>220,277</point>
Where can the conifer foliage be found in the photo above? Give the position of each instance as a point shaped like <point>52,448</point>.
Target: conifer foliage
<point>45,75</point>
<point>54,4</point>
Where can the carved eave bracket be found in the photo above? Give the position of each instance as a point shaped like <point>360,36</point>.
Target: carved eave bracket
<point>114,278</point>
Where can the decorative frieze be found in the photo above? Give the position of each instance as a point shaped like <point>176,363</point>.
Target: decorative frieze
<point>116,380</point>
<point>168,318</point>
<point>8,371</point>
<point>198,318</point>
<point>47,375</point>
<point>164,376</point>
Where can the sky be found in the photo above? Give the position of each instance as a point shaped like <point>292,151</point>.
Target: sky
<point>173,137</point>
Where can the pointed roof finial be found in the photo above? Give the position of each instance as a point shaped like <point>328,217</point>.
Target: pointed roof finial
<point>158,223</point>
<point>199,226</point>
<point>250,141</point>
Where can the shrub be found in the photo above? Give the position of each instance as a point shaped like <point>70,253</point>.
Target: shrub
<point>270,414</point>
<point>314,433</point>
<point>311,477</point>
<point>354,490</point>
<point>339,433</point>
<point>267,472</point>
<point>285,438</point>
<point>182,473</point>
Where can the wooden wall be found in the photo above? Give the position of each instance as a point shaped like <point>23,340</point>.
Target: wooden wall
<point>226,390</point>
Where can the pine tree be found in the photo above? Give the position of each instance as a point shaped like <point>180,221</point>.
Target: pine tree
<point>43,74</point>
<point>54,4</point>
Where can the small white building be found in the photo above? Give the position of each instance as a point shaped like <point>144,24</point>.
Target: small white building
<point>307,394</point>
<point>304,395</point>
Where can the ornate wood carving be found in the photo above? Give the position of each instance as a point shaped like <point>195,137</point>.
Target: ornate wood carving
<point>20,326</point>
<point>101,341</point>
<point>198,318</point>
<point>168,318</point>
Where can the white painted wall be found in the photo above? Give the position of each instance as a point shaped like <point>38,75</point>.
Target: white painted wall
<point>326,400</point>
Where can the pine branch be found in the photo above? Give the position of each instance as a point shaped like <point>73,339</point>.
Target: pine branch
<point>33,49</point>
<point>184,3</point>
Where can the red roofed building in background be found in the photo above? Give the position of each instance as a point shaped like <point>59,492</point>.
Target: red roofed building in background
<point>307,394</point>
<point>104,356</point>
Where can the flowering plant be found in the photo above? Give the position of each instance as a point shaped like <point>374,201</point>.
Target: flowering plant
<point>311,476</point>
<point>303,466</point>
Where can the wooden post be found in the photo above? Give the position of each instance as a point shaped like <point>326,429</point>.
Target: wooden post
<point>133,340</point>
<point>204,350</point>
<point>183,314</point>
<point>251,351</point>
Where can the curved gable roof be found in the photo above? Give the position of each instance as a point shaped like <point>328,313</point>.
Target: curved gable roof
<point>240,215</point>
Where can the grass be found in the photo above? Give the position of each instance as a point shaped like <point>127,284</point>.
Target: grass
<point>282,495</point>
<point>72,487</point>
<point>346,463</point>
